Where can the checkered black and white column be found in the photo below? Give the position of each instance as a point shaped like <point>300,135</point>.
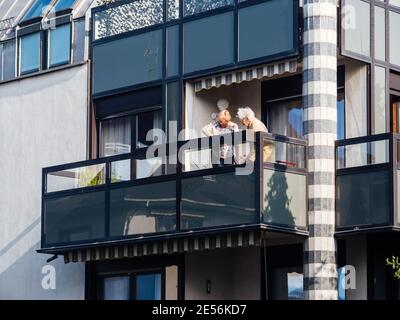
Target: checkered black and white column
<point>320,118</point>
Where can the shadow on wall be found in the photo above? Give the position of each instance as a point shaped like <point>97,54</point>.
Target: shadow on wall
<point>21,270</point>
<point>276,201</point>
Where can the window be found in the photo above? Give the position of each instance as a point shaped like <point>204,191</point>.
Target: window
<point>132,287</point>
<point>380,22</point>
<point>379,106</point>
<point>192,7</point>
<point>59,45</point>
<point>266,29</point>
<point>30,53</point>
<point>356,27</point>
<point>116,134</point>
<point>394,27</point>
<point>208,42</point>
<point>37,9</point>
<point>7,60</point>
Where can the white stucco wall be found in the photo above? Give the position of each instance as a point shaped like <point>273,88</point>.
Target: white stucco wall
<point>233,273</point>
<point>42,122</point>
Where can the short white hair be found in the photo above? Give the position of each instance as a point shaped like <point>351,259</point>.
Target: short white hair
<point>246,112</point>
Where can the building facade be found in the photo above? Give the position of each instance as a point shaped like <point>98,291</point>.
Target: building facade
<point>307,210</point>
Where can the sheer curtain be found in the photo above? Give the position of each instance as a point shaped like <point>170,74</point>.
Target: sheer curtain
<point>285,117</point>
<point>115,137</point>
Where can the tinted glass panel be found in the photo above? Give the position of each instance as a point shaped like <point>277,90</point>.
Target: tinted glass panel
<point>197,6</point>
<point>143,209</point>
<point>116,288</point>
<point>8,60</point>
<point>37,9</point>
<point>394,27</point>
<point>30,53</point>
<point>81,177</point>
<point>218,200</point>
<point>363,199</point>
<point>60,45</point>
<point>356,24</point>
<point>284,198</point>
<point>265,29</point>
<point>75,218</point>
<point>127,17</point>
<point>142,53</point>
<point>208,42</point>
<point>172,51</point>
<point>148,287</point>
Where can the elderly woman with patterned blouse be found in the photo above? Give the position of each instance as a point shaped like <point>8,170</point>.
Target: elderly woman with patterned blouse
<point>249,120</point>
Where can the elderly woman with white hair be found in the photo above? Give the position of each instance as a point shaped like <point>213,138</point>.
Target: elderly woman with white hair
<point>249,120</point>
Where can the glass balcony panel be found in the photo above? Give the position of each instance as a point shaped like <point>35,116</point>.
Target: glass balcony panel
<point>363,199</point>
<point>284,199</point>
<point>68,179</point>
<point>284,153</point>
<point>363,154</point>
<point>74,218</point>
<point>218,200</point>
<point>143,209</point>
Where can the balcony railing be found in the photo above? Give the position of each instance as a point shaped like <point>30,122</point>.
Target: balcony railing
<point>137,196</point>
<point>367,182</point>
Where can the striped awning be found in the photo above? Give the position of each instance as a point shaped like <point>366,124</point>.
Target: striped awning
<point>168,246</point>
<point>247,74</point>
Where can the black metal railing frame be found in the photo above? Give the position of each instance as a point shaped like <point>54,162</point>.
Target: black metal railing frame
<point>178,176</point>
<point>393,164</point>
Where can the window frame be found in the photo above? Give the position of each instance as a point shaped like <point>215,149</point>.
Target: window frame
<point>49,44</point>
<point>40,48</point>
<point>132,276</point>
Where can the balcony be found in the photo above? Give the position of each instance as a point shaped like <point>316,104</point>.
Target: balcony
<point>136,198</point>
<point>367,183</point>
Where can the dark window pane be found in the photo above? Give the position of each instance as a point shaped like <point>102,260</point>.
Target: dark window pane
<point>75,218</point>
<point>64,4</point>
<point>218,200</point>
<point>148,287</point>
<point>172,51</point>
<point>265,29</point>
<point>208,42</point>
<point>79,41</point>
<point>284,198</point>
<point>30,53</point>
<point>172,110</point>
<point>143,209</point>
<point>363,199</point>
<point>340,116</point>
<point>116,288</point>
<point>141,53</point>
<point>197,6</point>
<point>37,9</point>
<point>127,17</point>
<point>8,60</point>
<point>60,45</point>
<point>145,122</point>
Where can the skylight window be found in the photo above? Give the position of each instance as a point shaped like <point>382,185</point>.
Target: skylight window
<point>37,9</point>
<point>64,4</point>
